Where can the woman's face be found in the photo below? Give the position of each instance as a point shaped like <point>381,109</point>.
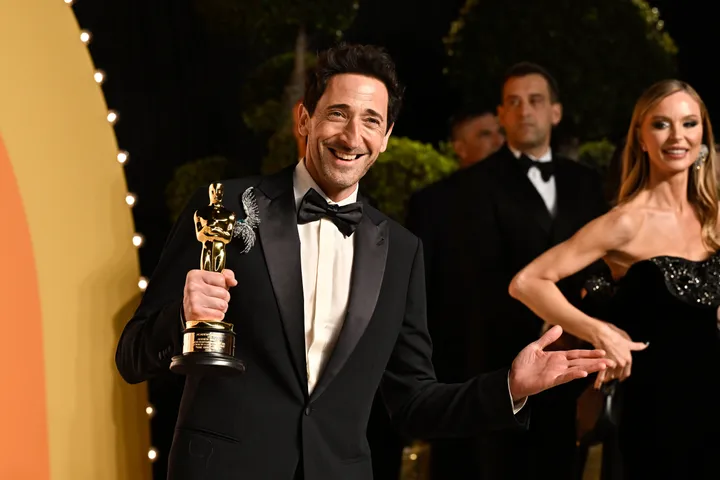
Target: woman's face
<point>672,132</point>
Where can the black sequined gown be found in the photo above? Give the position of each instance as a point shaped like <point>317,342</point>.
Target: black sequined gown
<point>670,416</point>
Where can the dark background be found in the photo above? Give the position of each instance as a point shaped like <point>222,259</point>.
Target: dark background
<point>170,83</point>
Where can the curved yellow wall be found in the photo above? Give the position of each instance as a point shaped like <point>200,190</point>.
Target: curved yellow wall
<point>70,271</point>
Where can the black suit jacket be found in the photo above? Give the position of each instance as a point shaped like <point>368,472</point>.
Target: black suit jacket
<point>264,424</point>
<point>480,227</point>
<point>429,215</point>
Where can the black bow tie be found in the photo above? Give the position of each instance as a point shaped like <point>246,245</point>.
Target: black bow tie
<point>314,207</point>
<point>547,169</point>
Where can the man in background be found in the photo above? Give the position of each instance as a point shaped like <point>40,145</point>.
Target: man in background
<point>475,135</point>
<point>495,218</point>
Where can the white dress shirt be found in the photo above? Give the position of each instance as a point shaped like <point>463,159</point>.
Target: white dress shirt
<point>326,258</point>
<point>547,190</point>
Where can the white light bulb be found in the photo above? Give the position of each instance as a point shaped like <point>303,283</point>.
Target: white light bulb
<point>142,283</point>
<point>69,2</point>
<point>112,116</point>
<point>152,454</point>
<point>150,410</point>
<point>122,156</point>
<point>85,36</point>
<point>137,240</point>
<point>130,199</point>
<point>99,76</point>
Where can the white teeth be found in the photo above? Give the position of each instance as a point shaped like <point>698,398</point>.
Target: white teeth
<point>344,156</point>
<point>676,151</point>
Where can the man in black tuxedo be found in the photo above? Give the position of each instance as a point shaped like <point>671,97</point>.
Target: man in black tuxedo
<point>479,227</point>
<point>328,306</point>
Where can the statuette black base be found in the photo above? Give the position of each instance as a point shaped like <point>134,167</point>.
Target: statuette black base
<point>206,364</point>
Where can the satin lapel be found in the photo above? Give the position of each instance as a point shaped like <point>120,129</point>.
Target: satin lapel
<point>371,248</point>
<point>569,200</point>
<point>281,246</point>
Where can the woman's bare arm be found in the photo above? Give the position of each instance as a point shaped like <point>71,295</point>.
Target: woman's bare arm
<point>536,287</point>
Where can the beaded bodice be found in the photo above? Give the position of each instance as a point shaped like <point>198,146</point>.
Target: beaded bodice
<point>695,282</point>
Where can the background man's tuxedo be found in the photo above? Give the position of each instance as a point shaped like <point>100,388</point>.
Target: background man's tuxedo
<point>264,424</point>
<point>480,227</point>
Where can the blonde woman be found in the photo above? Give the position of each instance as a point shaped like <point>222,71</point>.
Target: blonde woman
<point>660,243</point>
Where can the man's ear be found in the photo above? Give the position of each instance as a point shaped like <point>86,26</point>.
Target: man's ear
<point>383,147</point>
<point>303,120</point>
<point>459,148</point>
<point>501,115</point>
<point>557,113</point>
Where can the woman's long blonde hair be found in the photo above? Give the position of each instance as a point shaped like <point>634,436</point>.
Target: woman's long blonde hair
<point>702,183</point>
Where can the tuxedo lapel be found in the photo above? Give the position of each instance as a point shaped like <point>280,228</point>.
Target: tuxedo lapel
<point>569,200</point>
<point>281,247</point>
<point>371,248</point>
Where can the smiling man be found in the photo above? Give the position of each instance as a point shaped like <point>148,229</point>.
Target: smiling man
<point>346,129</point>
<point>328,307</point>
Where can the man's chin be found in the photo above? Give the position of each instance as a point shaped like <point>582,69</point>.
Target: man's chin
<point>344,181</point>
<point>529,143</point>
<point>343,178</point>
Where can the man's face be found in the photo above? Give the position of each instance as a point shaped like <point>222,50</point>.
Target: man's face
<point>477,138</point>
<point>527,113</point>
<point>346,133</point>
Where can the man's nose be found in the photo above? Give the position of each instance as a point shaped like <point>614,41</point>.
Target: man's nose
<point>351,133</point>
<point>524,109</point>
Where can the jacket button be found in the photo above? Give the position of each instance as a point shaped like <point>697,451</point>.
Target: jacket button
<point>308,411</point>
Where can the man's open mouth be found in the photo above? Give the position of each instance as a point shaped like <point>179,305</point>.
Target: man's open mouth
<point>345,156</point>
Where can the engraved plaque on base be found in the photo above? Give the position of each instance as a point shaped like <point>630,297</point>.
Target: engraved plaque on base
<point>208,349</point>
<point>209,346</point>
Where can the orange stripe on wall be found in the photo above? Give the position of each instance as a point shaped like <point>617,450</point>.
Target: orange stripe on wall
<point>24,450</point>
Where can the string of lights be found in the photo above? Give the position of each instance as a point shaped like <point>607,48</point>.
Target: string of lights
<point>130,198</point>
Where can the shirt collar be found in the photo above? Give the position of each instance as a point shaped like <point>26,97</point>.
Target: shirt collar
<point>303,181</point>
<point>546,157</point>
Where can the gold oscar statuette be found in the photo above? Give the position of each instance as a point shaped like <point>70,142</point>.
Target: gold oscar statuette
<point>209,346</point>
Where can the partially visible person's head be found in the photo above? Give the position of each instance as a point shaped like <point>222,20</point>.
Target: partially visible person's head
<point>475,135</point>
<point>352,99</point>
<point>669,126</point>
<point>530,107</point>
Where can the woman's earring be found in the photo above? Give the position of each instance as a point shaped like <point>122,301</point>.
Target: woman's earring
<point>702,156</point>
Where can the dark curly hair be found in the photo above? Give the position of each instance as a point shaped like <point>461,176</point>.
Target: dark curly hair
<point>367,60</point>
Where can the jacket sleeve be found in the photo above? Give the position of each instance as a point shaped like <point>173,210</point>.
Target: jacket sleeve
<point>424,408</point>
<point>154,334</point>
